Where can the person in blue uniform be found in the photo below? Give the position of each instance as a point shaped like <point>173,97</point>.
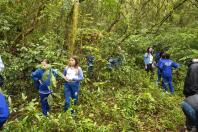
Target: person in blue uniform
<point>43,77</point>
<point>4,110</point>
<point>166,68</point>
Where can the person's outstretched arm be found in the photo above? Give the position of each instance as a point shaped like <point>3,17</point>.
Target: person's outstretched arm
<point>36,75</point>
<point>175,65</point>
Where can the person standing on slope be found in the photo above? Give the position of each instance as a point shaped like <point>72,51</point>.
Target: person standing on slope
<point>148,61</point>
<point>166,68</point>
<point>73,75</point>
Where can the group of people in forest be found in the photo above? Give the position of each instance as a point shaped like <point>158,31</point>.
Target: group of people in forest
<point>45,80</point>
<point>45,76</point>
<point>164,65</point>
<point>113,61</point>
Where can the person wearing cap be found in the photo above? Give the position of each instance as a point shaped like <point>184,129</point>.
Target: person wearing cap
<point>148,61</point>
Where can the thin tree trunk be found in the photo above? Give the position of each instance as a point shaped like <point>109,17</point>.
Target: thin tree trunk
<point>71,28</point>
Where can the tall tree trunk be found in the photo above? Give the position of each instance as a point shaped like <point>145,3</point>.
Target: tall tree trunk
<point>71,28</point>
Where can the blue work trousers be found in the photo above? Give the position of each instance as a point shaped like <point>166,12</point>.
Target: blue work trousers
<point>71,90</point>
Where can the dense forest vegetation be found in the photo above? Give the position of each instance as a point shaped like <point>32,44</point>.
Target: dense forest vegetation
<point>124,99</point>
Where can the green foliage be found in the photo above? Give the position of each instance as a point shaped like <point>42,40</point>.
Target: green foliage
<point>124,99</point>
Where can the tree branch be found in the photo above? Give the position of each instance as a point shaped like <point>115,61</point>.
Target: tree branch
<point>176,6</point>
<point>19,37</point>
<point>117,19</point>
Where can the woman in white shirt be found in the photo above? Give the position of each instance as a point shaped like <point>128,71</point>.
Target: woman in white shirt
<point>73,75</point>
<point>148,60</point>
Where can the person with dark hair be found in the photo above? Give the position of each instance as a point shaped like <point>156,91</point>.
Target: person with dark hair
<point>45,76</point>
<point>73,75</point>
<point>148,60</point>
<point>190,104</point>
<point>4,110</point>
<point>166,68</point>
<point>36,71</point>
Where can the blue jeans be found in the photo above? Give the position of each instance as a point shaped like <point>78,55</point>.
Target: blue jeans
<point>2,121</point>
<point>191,114</point>
<point>44,104</point>
<point>71,90</point>
<point>167,82</point>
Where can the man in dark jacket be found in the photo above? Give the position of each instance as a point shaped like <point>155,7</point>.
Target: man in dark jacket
<point>190,104</point>
<point>191,81</point>
<point>190,109</point>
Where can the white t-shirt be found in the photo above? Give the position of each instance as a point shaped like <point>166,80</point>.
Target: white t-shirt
<point>72,73</point>
<point>148,58</point>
